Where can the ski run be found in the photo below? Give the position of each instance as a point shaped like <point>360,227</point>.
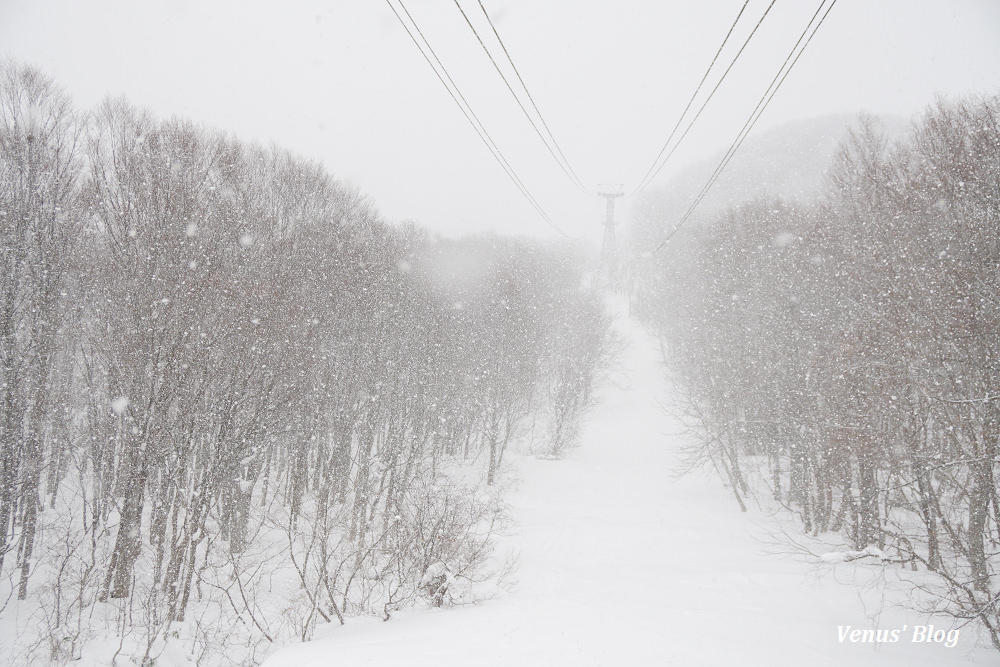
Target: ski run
<point>621,561</point>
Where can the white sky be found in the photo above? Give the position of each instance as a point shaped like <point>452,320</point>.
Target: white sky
<point>341,82</point>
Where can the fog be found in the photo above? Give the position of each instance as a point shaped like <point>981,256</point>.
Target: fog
<point>297,336</point>
<point>343,83</point>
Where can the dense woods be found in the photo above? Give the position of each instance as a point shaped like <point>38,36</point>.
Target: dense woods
<point>236,403</point>
<point>844,357</point>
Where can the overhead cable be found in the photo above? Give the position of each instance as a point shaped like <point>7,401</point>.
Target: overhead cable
<point>561,157</point>
<point>755,115</point>
<point>650,176</point>
<point>680,119</point>
<point>467,111</point>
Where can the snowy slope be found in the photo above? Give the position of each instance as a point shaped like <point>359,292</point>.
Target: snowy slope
<point>622,563</point>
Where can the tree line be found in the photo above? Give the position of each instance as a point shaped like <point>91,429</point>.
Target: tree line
<point>845,355</point>
<point>235,402</point>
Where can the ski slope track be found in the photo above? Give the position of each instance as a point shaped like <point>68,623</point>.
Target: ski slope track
<point>622,562</point>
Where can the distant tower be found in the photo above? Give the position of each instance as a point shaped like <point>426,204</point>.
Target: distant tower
<point>609,250</point>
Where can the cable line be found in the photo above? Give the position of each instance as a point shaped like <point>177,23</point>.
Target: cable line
<point>561,160</point>
<point>646,180</point>
<point>467,111</point>
<point>772,89</point>
<point>765,99</point>
<point>643,182</point>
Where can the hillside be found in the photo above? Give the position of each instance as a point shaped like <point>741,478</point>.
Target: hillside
<point>789,161</point>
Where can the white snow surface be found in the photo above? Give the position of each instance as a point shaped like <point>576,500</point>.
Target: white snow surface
<point>622,562</point>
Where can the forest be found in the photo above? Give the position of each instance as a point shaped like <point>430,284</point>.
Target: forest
<point>842,358</point>
<point>235,403</point>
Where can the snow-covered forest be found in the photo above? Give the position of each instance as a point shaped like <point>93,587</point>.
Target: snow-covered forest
<point>240,409</point>
<point>842,358</point>
<point>236,403</point>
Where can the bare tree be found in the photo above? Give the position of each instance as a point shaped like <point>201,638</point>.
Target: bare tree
<point>855,343</point>
<point>39,172</point>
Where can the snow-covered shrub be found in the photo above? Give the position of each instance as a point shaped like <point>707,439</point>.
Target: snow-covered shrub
<point>580,348</point>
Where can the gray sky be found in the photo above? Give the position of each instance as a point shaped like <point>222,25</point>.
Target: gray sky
<point>341,82</point>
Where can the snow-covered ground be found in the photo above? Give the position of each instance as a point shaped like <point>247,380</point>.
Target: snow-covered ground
<point>623,563</point>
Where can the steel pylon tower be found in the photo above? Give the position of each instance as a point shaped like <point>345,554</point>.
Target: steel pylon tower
<point>609,250</point>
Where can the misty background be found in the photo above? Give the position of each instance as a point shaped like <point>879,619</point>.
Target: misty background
<point>285,354</point>
<point>342,83</point>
